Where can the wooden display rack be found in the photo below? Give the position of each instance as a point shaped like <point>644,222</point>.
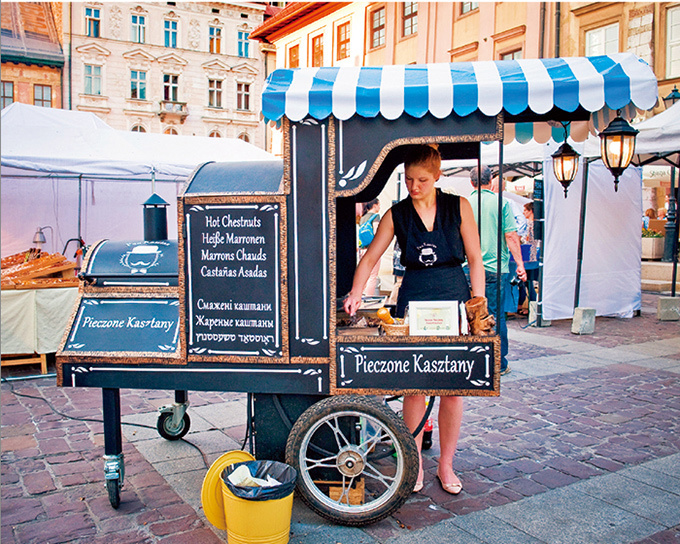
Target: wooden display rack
<point>26,359</point>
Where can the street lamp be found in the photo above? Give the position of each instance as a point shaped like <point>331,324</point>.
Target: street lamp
<point>672,97</point>
<point>565,165</point>
<point>617,145</point>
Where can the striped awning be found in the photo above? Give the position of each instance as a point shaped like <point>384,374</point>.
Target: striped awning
<point>514,86</point>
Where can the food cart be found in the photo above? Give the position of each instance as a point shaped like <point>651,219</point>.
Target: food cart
<point>267,251</point>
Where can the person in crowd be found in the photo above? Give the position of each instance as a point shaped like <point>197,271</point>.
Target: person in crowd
<point>367,227</point>
<point>661,213</point>
<point>436,232</point>
<point>532,271</point>
<point>481,181</point>
<point>649,214</point>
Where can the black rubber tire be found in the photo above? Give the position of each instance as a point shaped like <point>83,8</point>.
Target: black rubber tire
<point>113,488</point>
<point>167,431</point>
<point>393,456</point>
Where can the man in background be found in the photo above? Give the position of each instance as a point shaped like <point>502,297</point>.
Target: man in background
<point>481,181</point>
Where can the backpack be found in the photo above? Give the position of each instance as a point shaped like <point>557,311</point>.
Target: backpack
<point>366,232</point>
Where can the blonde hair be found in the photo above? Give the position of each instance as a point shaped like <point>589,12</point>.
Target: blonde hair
<point>426,156</point>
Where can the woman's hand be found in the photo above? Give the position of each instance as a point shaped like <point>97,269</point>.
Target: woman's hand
<point>352,303</point>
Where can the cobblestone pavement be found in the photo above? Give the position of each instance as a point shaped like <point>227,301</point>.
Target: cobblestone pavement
<point>583,445</point>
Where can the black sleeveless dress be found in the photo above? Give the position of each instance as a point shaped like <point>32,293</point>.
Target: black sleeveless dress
<point>432,259</point>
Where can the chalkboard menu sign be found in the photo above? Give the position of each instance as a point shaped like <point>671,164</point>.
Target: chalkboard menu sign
<point>233,279</point>
<point>125,325</point>
<point>466,366</point>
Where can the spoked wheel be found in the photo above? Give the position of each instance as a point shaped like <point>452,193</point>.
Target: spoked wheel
<point>113,487</point>
<point>172,432</point>
<point>357,462</point>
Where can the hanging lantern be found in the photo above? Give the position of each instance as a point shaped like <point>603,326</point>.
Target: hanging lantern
<point>565,165</point>
<point>672,97</point>
<point>617,145</point>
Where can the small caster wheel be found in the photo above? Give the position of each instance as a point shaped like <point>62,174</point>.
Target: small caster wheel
<point>169,431</point>
<point>113,487</point>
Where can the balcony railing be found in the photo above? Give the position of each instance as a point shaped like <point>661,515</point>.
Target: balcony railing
<point>173,111</point>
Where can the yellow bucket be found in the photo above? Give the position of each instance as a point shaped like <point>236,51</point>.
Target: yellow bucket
<point>257,522</point>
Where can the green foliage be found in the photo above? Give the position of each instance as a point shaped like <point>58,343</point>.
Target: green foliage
<point>649,233</point>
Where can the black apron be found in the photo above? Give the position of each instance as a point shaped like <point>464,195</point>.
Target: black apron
<point>432,259</point>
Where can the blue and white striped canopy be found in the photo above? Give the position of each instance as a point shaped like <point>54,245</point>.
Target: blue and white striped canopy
<point>514,86</point>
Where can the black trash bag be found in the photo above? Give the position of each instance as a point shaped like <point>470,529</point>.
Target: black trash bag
<point>281,472</point>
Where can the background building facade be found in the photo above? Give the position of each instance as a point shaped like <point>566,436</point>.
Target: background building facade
<point>32,57</point>
<point>166,67</point>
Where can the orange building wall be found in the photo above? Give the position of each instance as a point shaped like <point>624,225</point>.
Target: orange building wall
<point>24,77</point>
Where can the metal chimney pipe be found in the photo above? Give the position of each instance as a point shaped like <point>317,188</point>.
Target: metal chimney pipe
<point>155,218</point>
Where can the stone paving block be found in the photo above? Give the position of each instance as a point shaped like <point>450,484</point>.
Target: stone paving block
<point>668,309</point>
<point>196,536</point>
<point>188,486</point>
<point>183,465</point>
<point>58,530</point>
<point>20,510</point>
<point>492,530</point>
<point>652,477</point>
<point>446,531</point>
<point>575,518</point>
<point>634,496</point>
<point>666,465</point>
<point>213,442</point>
<point>223,415</point>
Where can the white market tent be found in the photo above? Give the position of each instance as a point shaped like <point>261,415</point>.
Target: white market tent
<point>72,172</point>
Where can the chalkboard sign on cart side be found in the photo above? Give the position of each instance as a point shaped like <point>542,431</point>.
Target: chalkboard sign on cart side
<point>231,273</point>
<point>461,365</point>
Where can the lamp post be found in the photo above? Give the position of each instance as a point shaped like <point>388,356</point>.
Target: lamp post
<point>669,251</point>
<point>617,145</point>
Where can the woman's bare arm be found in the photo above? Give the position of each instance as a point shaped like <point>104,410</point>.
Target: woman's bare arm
<point>468,231</point>
<point>381,241</point>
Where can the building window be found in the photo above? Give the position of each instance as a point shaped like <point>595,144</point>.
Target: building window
<point>215,43</point>
<point>7,93</point>
<point>243,43</point>
<point>317,50</point>
<point>215,134</point>
<point>673,43</point>
<point>171,34</point>
<point>92,22</point>
<point>242,96</point>
<point>467,7</point>
<point>138,33</point>
<point>294,57</point>
<point>171,131</point>
<point>512,55</point>
<point>214,93</point>
<point>410,19</point>
<point>244,136</point>
<point>343,41</point>
<point>93,79</point>
<point>137,85</point>
<point>138,128</point>
<point>603,40</point>
<point>170,87</point>
<point>378,28</point>
<point>42,96</point>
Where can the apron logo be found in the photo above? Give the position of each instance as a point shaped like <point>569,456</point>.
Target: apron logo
<point>427,254</point>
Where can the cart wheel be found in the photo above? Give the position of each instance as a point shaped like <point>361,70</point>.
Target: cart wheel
<point>170,432</point>
<point>113,487</point>
<point>357,461</point>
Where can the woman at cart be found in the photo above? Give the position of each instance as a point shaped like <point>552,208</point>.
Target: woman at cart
<point>436,232</point>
